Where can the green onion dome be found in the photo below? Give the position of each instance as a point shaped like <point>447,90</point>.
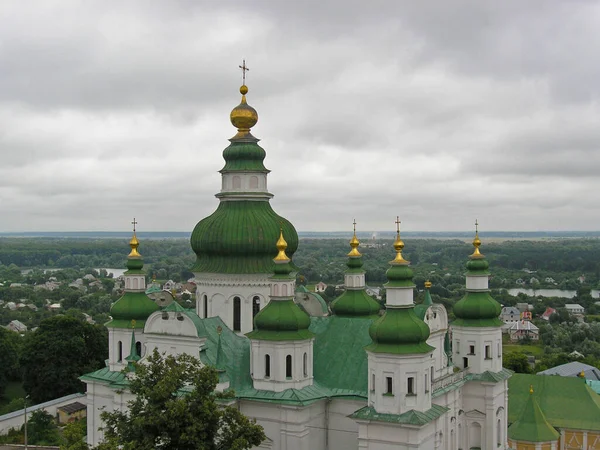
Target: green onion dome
<point>134,307</point>
<point>355,302</point>
<point>238,238</point>
<point>281,319</point>
<point>477,308</point>
<point>399,330</point>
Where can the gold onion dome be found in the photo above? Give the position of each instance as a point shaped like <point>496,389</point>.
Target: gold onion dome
<point>354,243</point>
<point>428,284</point>
<point>243,116</point>
<point>476,243</point>
<point>398,246</point>
<point>281,246</point>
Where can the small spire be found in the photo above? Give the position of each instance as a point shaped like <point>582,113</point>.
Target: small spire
<point>582,374</point>
<point>476,243</point>
<point>531,389</point>
<point>281,246</point>
<point>428,284</point>
<point>354,243</point>
<point>398,245</point>
<point>243,116</point>
<point>134,243</point>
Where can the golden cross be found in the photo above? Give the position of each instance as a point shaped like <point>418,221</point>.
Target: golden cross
<point>244,70</point>
<point>354,223</point>
<point>134,224</point>
<point>476,226</point>
<point>398,224</point>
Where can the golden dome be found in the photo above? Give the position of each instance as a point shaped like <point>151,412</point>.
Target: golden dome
<point>134,244</point>
<point>354,243</point>
<point>398,246</point>
<point>428,284</point>
<point>476,243</point>
<point>281,246</point>
<point>243,116</point>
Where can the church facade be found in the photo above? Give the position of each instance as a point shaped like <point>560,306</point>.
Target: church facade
<point>354,376</point>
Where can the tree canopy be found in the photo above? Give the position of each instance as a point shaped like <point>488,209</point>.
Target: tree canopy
<point>57,353</point>
<point>175,407</point>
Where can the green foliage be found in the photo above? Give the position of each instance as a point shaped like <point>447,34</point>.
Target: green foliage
<point>74,435</point>
<point>42,429</point>
<point>9,357</point>
<point>516,361</point>
<point>175,408</point>
<point>57,353</point>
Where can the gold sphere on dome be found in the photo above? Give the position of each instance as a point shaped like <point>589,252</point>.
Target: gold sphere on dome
<point>243,116</point>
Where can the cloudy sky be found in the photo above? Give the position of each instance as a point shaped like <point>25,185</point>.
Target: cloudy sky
<point>439,112</point>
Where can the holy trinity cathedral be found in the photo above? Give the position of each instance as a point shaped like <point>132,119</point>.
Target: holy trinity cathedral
<point>351,376</point>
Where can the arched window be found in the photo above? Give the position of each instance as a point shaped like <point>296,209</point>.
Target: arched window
<point>255,305</point>
<point>474,435</point>
<point>135,283</point>
<point>120,351</point>
<point>305,364</point>
<point>237,182</point>
<point>253,182</point>
<point>276,290</point>
<point>205,302</point>
<point>288,366</point>
<point>267,366</point>
<point>237,314</point>
<point>284,290</point>
<point>138,348</point>
<point>499,432</point>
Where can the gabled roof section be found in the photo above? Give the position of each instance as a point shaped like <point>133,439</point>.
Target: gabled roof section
<point>532,426</point>
<point>411,417</point>
<point>566,402</point>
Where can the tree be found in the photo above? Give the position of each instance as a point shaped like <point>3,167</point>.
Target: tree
<point>516,361</point>
<point>176,408</point>
<point>9,357</point>
<point>42,429</point>
<point>74,436</point>
<point>57,353</point>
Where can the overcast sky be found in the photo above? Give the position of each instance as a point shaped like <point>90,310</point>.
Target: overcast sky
<point>438,111</point>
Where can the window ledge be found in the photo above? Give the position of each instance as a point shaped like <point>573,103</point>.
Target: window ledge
<point>470,354</point>
<point>388,395</point>
<point>488,359</point>
<point>411,395</point>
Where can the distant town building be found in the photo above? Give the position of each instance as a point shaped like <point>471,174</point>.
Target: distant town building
<point>523,329</point>
<point>549,311</point>
<point>17,326</point>
<point>574,308</point>
<point>574,369</point>
<point>320,287</point>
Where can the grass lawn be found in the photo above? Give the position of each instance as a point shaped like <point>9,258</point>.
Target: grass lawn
<point>534,350</point>
<point>14,389</point>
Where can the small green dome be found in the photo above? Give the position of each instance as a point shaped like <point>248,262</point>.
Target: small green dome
<point>355,303</point>
<point>399,275</point>
<point>133,306</point>
<point>478,308</point>
<point>244,155</point>
<point>281,320</point>
<point>238,238</point>
<point>135,263</point>
<point>399,330</point>
<point>478,265</point>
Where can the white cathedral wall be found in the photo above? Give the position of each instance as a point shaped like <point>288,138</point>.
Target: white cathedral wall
<point>122,336</point>
<point>220,291</point>
<point>387,436</point>
<point>244,182</point>
<point>480,337</point>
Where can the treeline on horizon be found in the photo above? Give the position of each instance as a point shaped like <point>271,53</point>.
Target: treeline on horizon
<point>318,259</point>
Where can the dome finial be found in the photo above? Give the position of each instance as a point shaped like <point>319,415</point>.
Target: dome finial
<point>428,284</point>
<point>398,245</point>
<point>531,388</point>
<point>134,243</point>
<point>354,243</point>
<point>243,116</point>
<point>281,246</point>
<point>476,243</point>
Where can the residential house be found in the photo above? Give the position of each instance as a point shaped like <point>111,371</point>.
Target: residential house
<point>549,311</point>
<point>17,326</point>
<point>320,287</point>
<point>523,329</point>
<point>71,412</point>
<point>574,308</point>
<point>574,369</point>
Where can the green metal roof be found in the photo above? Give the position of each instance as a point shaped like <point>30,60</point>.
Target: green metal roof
<point>566,402</point>
<point>281,320</point>
<point>399,331</point>
<point>243,156</point>
<point>477,309</point>
<point>239,237</point>
<point>131,306</point>
<point>411,417</point>
<point>532,426</point>
<point>355,302</point>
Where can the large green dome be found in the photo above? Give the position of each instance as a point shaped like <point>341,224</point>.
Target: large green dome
<point>132,306</point>
<point>477,309</point>
<point>238,238</point>
<point>399,330</point>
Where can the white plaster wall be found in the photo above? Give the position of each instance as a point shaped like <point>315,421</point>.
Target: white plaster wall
<point>244,182</point>
<point>278,351</point>
<point>221,289</point>
<point>400,368</point>
<point>384,436</point>
<point>399,297</point>
<point>477,283</point>
<point>116,335</point>
<point>355,280</point>
<point>99,398</point>
<point>464,337</point>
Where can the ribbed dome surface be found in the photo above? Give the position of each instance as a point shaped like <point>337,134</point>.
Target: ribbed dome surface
<point>281,320</point>
<point>478,306</point>
<point>355,303</point>
<point>133,306</point>
<point>238,238</point>
<point>399,330</point>
<point>244,155</point>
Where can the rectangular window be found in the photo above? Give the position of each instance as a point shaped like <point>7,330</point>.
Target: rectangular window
<point>372,382</point>
<point>499,350</point>
<point>411,386</point>
<point>488,352</point>
<point>457,347</point>
<point>426,384</point>
<point>389,387</point>
<point>471,349</point>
